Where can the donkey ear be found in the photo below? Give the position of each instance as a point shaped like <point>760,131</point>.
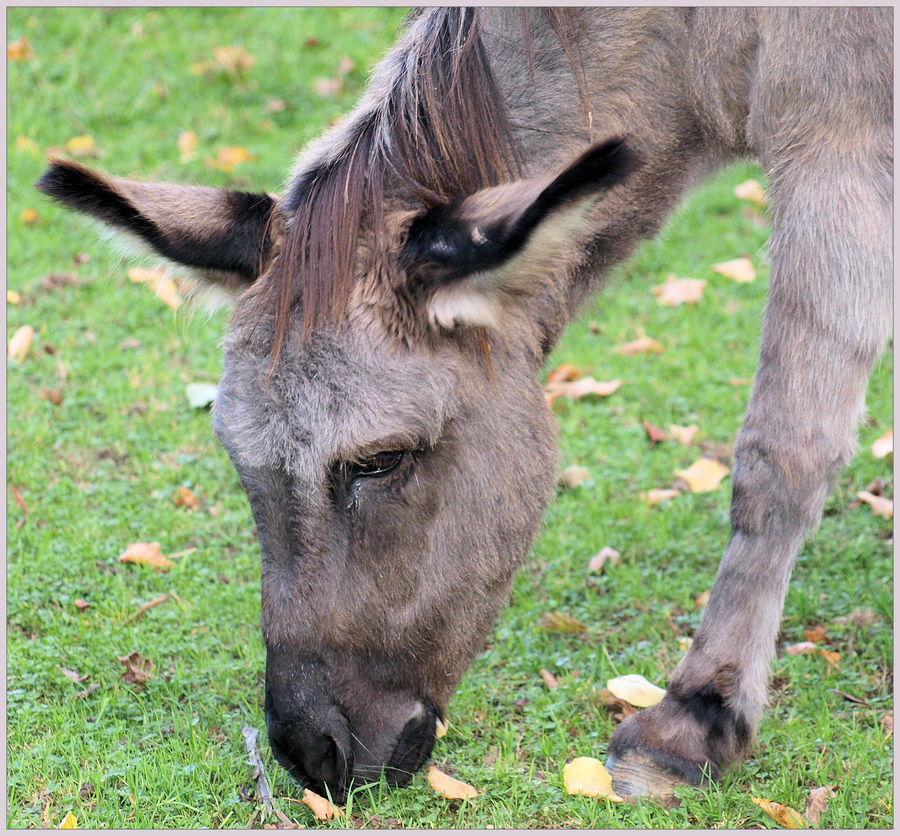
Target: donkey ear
<point>226,237</point>
<point>478,253</point>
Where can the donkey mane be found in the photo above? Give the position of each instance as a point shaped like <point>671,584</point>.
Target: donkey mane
<point>433,127</point>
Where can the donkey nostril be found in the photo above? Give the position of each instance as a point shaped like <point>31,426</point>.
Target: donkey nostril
<point>332,770</point>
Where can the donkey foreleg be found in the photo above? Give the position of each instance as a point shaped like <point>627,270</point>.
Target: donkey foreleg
<point>826,321</point>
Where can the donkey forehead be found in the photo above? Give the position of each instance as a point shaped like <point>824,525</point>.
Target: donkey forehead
<point>333,397</point>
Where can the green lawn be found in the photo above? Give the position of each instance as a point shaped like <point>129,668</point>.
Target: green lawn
<point>98,471</point>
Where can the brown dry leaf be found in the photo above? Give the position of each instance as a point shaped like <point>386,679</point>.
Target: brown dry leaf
<point>817,633</point>
<point>275,106</point>
<point>677,291</point>
<point>230,158</point>
<point>75,676</point>
<point>149,605</point>
<point>657,495</point>
<point>345,65</point>
<point>751,190</point>
<point>817,803</point>
<point>30,217</point>
<point>322,808</point>
<point>81,604</point>
<point>588,776</point>
<point>884,445</point>
<point>598,561</point>
<point>19,50</point>
<point>560,622</point>
<point>573,476</point>
<point>887,722</point>
<point>137,668</point>
<point>738,269</point>
<point>654,433</point>
<point>636,690</point>
<point>81,146</point>
<point>183,498</point>
<point>327,87</point>
<point>830,656</point>
<point>621,709</point>
<point>233,58</point>
<point>549,679</point>
<point>563,373</point>
<point>704,475</point>
<point>167,291</point>
<point>881,506</point>
<point>702,599</point>
<point>20,343</point>
<point>739,381</point>
<point>146,554</point>
<point>449,787</point>
<point>683,435</point>
<point>53,395</point>
<point>785,816</point>
<point>801,648</point>
<point>642,345</point>
<point>588,386</point>
<point>858,618</point>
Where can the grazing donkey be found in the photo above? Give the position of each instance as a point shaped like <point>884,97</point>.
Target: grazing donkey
<point>380,397</point>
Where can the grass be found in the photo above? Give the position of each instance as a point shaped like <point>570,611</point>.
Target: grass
<point>98,471</point>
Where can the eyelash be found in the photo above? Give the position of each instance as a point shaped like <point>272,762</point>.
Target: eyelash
<point>378,465</point>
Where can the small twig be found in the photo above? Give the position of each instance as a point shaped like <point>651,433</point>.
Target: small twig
<point>182,554</point>
<point>149,605</point>
<point>263,793</point>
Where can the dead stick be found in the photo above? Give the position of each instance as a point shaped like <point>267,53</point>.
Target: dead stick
<point>259,771</point>
<point>149,605</point>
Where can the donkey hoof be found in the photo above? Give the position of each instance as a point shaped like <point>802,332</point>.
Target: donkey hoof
<point>636,776</point>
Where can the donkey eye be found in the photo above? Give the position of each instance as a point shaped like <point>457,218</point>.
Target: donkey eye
<point>378,465</point>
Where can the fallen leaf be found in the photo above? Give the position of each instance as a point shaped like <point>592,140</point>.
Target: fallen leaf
<point>230,158</point>
<point>583,387</point>
<point>657,495</point>
<point>18,498</point>
<point>86,692</point>
<point>785,816</point>
<point>884,445</point>
<point>201,395</point>
<point>53,395</point>
<point>704,475</point>
<point>654,433</point>
<point>70,822</point>
<point>830,656</point>
<point>817,633</point>
<point>549,679</point>
<point>449,787</point>
<point>738,269</point>
<point>881,506</point>
<point>642,345</point>
<point>27,146</point>
<point>81,604</point>
<point>233,58</point>
<point>275,106</point>
<point>30,217</point>
<point>588,776</point>
<point>327,87</point>
<point>75,676</point>
<point>679,291</point>
<point>560,622</point>
<point>187,144</point>
<point>19,50</point>
<point>636,690</point>
<point>887,721</point>
<point>817,803</point>
<point>702,599</point>
<point>563,373</point>
<point>137,668</point>
<point>801,648</point>
<point>140,275</point>
<point>683,435</point>
<point>322,808</point>
<point>146,554</point>
<point>81,146</point>
<point>739,381</point>
<point>149,606</point>
<point>345,65</point>
<point>877,486</point>
<point>598,561</point>
<point>573,476</point>
<point>13,297</point>
<point>621,708</point>
<point>440,728</point>
<point>751,190</point>
<point>858,618</point>
<point>20,343</point>
<point>183,498</point>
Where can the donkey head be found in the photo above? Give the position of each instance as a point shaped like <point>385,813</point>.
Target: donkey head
<point>397,462</point>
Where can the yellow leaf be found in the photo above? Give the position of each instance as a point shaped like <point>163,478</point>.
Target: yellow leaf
<point>19,50</point>
<point>29,217</point>
<point>146,554</point>
<point>449,787</point>
<point>573,476</point>
<point>588,776</point>
<point>322,808</point>
<point>657,495</point>
<point>704,475</point>
<point>139,275</point>
<point>884,445</point>
<point>679,291</point>
<point>440,728</point>
<point>683,435</point>
<point>187,143</point>
<point>751,190</point>
<point>642,345</point>
<point>183,498</point>
<point>27,146</point>
<point>785,816</point>
<point>636,690</point>
<point>69,822</point>
<point>20,343</point>
<point>560,622</point>
<point>881,506</point>
<point>81,146</point>
<point>739,270</point>
<point>167,291</point>
<point>229,158</point>
<point>13,297</point>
